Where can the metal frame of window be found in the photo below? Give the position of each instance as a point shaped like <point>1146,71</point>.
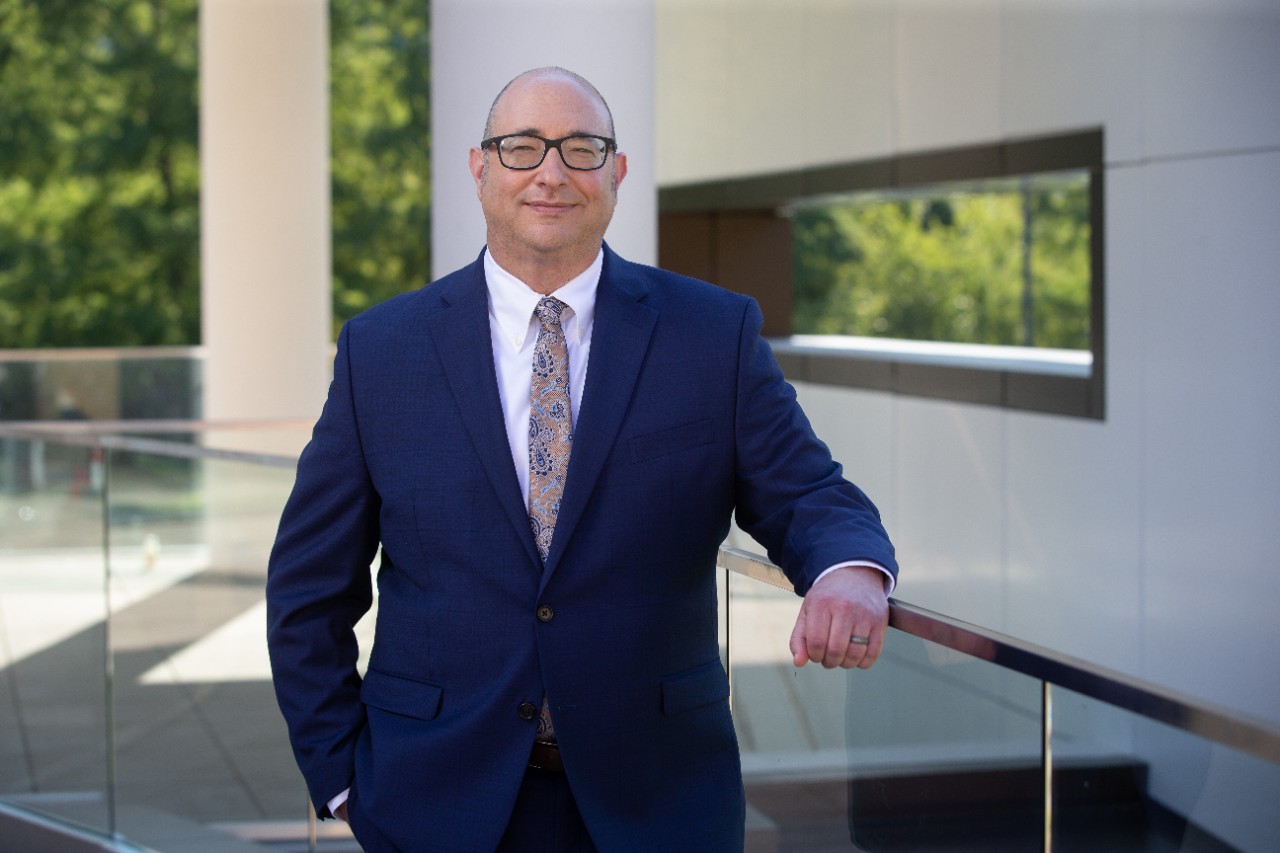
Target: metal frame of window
<point>1011,388</point>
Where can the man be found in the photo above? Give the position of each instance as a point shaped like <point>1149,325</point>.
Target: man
<point>545,674</point>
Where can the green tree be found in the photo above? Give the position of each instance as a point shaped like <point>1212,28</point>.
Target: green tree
<point>946,266</point>
<point>99,166</point>
<point>99,173</point>
<point>381,151</point>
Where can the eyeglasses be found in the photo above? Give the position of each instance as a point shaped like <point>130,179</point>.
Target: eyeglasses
<point>525,151</point>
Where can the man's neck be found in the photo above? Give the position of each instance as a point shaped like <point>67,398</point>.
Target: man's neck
<point>543,274</point>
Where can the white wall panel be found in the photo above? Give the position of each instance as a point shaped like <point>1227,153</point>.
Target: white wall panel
<point>858,426</point>
<point>1211,71</point>
<point>1075,538</point>
<point>1212,427</point>
<point>1074,64</point>
<point>948,508</point>
<point>947,73</point>
<point>696,81</point>
<point>848,88</point>
<point>766,104</point>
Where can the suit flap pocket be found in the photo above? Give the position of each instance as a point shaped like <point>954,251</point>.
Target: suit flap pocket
<point>401,695</point>
<point>694,688</point>
<point>673,440</point>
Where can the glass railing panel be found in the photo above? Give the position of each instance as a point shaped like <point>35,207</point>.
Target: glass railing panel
<point>53,687</point>
<point>109,384</point>
<point>930,749</point>
<point>199,739</point>
<point>1124,782</point>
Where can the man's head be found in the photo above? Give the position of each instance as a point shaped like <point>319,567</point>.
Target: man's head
<point>547,221</point>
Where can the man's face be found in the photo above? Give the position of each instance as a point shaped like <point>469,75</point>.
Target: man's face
<point>551,213</point>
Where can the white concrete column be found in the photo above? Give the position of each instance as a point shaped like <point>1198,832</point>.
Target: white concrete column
<point>264,207</point>
<point>479,45</point>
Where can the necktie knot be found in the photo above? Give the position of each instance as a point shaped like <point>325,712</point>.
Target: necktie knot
<point>548,311</point>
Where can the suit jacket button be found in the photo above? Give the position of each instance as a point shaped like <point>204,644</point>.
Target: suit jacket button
<point>527,710</point>
<point>545,613</point>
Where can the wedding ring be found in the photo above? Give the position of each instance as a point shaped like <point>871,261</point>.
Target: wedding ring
<point>859,640</point>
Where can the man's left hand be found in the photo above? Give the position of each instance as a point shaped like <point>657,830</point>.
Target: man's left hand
<point>849,602</point>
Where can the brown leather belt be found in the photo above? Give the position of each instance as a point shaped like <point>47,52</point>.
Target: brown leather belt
<point>546,756</point>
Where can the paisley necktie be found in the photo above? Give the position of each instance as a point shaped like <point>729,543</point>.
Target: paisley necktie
<point>550,423</point>
<point>550,440</point>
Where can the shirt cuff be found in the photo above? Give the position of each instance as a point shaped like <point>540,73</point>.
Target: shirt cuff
<point>890,582</point>
<point>337,802</point>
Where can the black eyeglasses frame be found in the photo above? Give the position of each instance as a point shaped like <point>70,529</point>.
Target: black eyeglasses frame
<point>610,144</point>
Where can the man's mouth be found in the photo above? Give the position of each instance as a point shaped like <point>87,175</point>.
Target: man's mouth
<point>548,206</point>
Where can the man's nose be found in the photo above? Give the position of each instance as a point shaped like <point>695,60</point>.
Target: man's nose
<point>552,169</point>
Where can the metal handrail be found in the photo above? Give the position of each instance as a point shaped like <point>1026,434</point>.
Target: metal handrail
<point>133,436</point>
<point>1214,722</point>
<point>1231,728</point>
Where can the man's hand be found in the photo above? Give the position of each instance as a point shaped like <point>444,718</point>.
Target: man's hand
<point>848,602</point>
<point>341,813</point>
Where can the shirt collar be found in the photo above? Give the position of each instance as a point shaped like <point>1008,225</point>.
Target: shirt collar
<point>511,301</point>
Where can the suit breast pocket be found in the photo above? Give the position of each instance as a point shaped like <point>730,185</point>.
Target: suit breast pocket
<point>665,442</point>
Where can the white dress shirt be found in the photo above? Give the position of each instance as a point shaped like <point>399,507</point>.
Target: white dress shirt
<point>513,332</point>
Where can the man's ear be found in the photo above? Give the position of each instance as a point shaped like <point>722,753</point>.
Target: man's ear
<point>476,162</point>
<point>619,168</point>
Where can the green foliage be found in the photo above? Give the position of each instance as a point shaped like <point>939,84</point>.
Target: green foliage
<point>381,151</point>
<point>99,174</point>
<point>99,166</point>
<point>947,267</point>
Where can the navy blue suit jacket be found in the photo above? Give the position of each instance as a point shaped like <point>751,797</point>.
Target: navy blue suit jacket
<point>684,420</point>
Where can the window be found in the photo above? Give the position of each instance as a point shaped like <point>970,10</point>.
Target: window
<point>969,274</point>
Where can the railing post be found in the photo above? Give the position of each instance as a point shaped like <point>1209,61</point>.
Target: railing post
<point>1046,759</point>
<point>728,632</point>
<point>108,650</point>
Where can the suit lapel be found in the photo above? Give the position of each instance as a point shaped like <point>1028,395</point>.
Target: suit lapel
<point>619,340</point>
<point>461,335</point>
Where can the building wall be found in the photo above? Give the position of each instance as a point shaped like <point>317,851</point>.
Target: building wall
<point>1142,542</point>
<point>1146,542</point>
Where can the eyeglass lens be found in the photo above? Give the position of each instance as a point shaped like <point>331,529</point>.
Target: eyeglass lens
<point>578,152</point>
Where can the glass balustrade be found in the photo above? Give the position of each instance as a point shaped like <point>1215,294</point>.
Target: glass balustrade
<point>1124,782</point>
<point>54,756</point>
<point>928,747</point>
<point>135,695</point>
<point>105,384</point>
<point>197,734</point>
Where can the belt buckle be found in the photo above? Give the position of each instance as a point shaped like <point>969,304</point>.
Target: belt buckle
<point>546,757</point>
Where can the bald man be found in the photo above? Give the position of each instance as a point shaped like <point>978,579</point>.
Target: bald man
<point>548,446</point>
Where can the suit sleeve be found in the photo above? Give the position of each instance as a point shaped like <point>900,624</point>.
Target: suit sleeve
<point>792,496</point>
<point>318,587</point>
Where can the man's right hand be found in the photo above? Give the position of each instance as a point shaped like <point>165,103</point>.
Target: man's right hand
<point>341,813</point>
